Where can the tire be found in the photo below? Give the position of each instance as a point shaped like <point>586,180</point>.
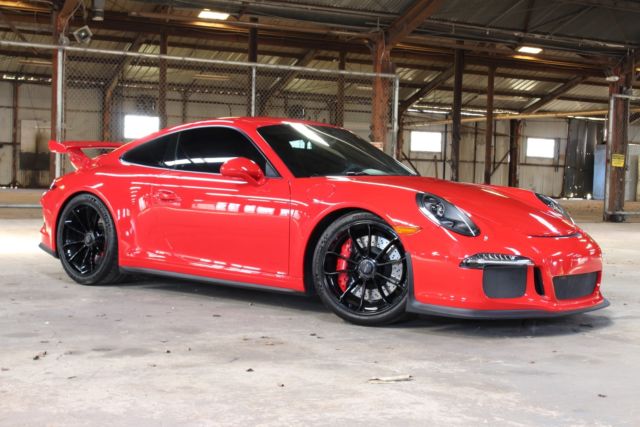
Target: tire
<point>87,243</point>
<point>360,270</point>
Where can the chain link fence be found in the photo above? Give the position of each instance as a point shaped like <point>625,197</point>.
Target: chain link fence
<point>118,96</point>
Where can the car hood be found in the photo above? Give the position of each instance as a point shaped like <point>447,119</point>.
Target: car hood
<point>489,206</point>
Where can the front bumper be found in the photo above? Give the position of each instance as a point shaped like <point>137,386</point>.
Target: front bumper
<point>440,285</point>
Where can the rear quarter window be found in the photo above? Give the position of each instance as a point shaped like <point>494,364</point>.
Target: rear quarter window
<point>154,153</point>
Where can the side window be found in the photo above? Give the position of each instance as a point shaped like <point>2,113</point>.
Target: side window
<point>206,149</point>
<point>158,152</point>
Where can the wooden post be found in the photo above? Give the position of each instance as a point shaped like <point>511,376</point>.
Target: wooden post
<point>618,143</point>
<point>342,65</point>
<point>14,135</point>
<point>456,114</point>
<point>54,91</point>
<point>162,82</point>
<point>380,100</point>
<point>184,104</point>
<point>252,57</point>
<point>488,135</point>
<point>475,151</point>
<point>514,152</point>
<point>445,135</point>
<point>253,41</point>
<point>400,139</point>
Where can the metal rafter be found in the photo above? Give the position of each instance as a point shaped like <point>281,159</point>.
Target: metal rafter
<point>112,83</point>
<point>554,94</point>
<point>619,5</point>
<point>432,85</point>
<point>118,22</point>
<point>282,83</point>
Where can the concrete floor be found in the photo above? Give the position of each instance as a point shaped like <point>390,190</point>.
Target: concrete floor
<point>162,352</point>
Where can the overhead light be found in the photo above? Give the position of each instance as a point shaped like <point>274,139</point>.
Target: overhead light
<point>529,49</point>
<point>212,14</point>
<point>527,57</point>
<point>593,119</point>
<point>216,77</point>
<point>37,62</point>
<point>610,75</point>
<point>98,10</point>
<point>83,35</point>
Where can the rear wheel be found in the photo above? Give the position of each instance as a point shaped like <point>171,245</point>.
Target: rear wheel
<point>87,242</point>
<point>360,270</point>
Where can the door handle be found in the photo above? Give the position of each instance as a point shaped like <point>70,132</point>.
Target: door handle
<point>166,196</point>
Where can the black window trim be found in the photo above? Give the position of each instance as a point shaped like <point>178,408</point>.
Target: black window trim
<point>242,132</point>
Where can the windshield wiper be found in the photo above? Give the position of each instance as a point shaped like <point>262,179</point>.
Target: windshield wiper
<point>356,173</point>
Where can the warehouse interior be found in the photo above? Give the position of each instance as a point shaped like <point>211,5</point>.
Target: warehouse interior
<point>541,95</point>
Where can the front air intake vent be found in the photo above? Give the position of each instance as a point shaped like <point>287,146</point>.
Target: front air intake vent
<point>575,286</point>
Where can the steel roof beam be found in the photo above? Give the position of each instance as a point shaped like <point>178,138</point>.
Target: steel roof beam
<point>432,85</point>
<point>553,95</point>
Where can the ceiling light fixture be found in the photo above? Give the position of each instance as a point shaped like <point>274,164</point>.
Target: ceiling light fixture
<point>211,14</point>
<point>37,62</point>
<point>525,57</point>
<point>529,49</point>
<point>216,77</point>
<point>98,10</point>
<point>610,75</point>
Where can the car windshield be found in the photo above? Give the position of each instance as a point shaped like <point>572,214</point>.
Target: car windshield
<point>310,150</point>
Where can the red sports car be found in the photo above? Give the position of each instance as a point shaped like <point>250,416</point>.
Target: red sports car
<point>298,206</point>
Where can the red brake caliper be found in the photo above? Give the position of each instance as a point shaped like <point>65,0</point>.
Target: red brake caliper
<point>345,251</point>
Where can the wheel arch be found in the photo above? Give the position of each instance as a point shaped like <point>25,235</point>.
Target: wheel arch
<point>67,200</point>
<point>317,231</point>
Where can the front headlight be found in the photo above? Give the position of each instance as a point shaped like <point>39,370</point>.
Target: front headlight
<point>446,214</point>
<point>555,206</point>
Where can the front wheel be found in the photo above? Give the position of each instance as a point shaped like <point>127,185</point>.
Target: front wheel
<point>87,242</point>
<point>360,270</point>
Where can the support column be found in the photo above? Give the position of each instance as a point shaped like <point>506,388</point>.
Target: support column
<point>514,152</point>
<point>380,112</point>
<point>456,114</point>
<point>342,65</point>
<point>162,82</point>
<point>14,135</point>
<point>184,104</point>
<point>445,135</point>
<point>618,144</point>
<point>400,139</point>
<point>475,151</point>
<point>54,91</point>
<point>488,135</point>
<point>252,57</point>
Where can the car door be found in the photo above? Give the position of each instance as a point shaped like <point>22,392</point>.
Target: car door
<point>220,226</point>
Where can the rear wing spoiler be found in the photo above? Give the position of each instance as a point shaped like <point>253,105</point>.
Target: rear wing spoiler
<point>74,149</point>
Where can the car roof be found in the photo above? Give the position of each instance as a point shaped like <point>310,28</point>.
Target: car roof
<point>238,122</point>
<point>251,121</point>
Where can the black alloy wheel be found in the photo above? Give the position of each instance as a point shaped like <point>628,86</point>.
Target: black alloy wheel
<point>361,270</point>
<point>86,241</point>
